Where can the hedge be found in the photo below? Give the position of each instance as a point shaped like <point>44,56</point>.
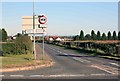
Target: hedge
<point>22,45</point>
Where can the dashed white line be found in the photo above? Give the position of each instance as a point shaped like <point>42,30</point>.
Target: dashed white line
<point>65,53</point>
<point>16,75</point>
<point>114,64</point>
<point>81,60</point>
<point>54,76</point>
<point>36,75</point>
<point>2,75</point>
<point>77,75</point>
<point>96,74</point>
<point>59,51</point>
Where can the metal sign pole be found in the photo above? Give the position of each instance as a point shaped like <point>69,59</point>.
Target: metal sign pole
<point>42,20</point>
<point>43,43</point>
<point>34,32</point>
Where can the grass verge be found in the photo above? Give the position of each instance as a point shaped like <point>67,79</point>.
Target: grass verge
<point>111,57</point>
<point>24,60</point>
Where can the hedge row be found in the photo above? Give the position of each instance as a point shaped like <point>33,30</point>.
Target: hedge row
<point>22,45</point>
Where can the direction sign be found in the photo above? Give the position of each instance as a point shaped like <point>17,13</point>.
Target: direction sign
<point>42,19</point>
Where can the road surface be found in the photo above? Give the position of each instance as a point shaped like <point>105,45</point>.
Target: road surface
<point>69,64</point>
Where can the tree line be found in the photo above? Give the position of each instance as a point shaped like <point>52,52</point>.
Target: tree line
<point>3,35</point>
<point>98,36</point>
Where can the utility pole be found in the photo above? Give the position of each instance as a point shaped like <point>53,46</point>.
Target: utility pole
<point>34,51</point>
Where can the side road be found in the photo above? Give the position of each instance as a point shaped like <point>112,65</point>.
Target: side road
<point>41,61</point>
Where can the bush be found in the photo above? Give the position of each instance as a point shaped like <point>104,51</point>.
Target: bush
<point>22,45</point>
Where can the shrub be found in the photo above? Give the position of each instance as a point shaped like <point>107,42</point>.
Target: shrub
<point>22,45</point>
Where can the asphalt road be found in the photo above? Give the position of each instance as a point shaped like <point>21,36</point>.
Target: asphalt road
<point>69,64</point>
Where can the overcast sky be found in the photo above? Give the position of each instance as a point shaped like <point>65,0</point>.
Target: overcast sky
<point>64,18</point>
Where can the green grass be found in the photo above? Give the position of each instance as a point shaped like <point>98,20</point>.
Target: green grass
<point>111,57</point>
<point>16,59</point>
<point>23,60</point>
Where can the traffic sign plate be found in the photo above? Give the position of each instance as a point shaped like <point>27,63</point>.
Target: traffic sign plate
<point>42,19</point>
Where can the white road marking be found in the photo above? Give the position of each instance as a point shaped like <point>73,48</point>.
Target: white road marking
<point>77,75</point>
<point>36,75</point>
<point>16,75</point>
<point>2,75</point>
<point>96,74</point>
<point>81,60</point>
<point>65,53</point>
<point>114,64</point>
<point>107,69</point>
<point>71,75</point>
<point>52,48</point>
<point>59,51</point>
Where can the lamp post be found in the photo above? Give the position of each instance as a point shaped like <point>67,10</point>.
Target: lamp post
<point>34,51</point>
<point>42,20</point>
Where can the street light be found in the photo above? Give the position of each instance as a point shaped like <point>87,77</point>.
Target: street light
<point>42,21</point>
<point>34,51</point>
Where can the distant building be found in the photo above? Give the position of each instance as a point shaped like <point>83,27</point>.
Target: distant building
<point>54,38</point>
<point>9,38</point>
<point>51,39</point>
<point>58,39</point>
<point>12,37</point>
<point>68,39</point>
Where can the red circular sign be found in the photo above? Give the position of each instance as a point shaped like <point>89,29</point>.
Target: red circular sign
<point>42,19</point>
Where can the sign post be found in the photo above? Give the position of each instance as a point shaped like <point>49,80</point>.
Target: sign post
<point>43,43</point>
<point>42,20</point>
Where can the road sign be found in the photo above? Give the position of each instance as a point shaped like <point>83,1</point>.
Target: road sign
<point>37,31</point>
<point>42,19</point>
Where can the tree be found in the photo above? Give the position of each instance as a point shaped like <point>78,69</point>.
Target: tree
<point>98,35</point>
<point>114,36</point>
<point>109,36</point>
<point>0,35</point>
<point>119,35</point>
<point>4,35</point>
<point>19,34</point>
<point>87,37</point>
<point>104,36</point>
<point>93,35</point>
<point>81,35</point>
<point>23,44</point>
<point>76,38</point>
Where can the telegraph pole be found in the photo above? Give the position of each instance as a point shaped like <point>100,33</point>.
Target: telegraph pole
<point>34,51</point>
